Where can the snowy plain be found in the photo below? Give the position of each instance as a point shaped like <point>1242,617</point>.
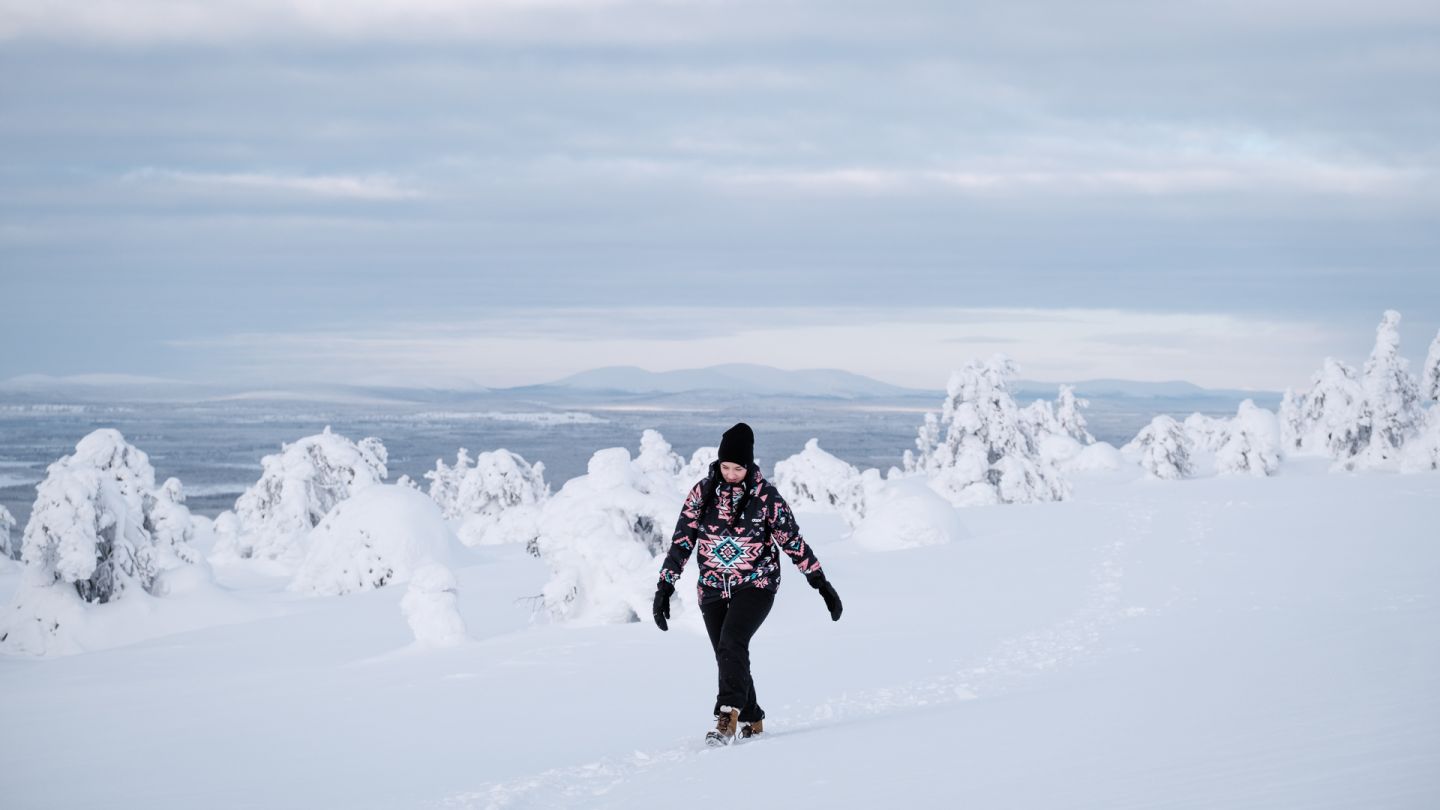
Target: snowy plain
<point>1214,642</point>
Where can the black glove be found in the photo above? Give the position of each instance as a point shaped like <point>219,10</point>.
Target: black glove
<point>818,581</point>
<point>662,603</point>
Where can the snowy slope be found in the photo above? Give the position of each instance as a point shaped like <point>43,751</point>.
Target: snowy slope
<point>1204,643</point>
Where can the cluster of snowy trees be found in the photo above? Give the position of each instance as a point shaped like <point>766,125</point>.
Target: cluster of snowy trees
<point>982,448</point>
<point>103,532</point>
<point>494,498</point>
<point>1376,418</point>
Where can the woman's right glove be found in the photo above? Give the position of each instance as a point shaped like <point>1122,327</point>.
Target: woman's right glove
<point>662,603</point>
<point>818,581</point>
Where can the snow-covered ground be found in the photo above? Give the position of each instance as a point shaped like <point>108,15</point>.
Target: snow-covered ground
<point>1216,642</point>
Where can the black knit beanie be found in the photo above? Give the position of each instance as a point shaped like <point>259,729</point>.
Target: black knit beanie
<point>737,446</point>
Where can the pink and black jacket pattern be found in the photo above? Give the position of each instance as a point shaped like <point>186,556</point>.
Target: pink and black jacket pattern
<point>737,536</point>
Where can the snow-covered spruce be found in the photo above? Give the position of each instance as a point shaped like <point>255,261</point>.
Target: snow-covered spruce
<point>1430,374</point>
<point>9,549</point>
<point>1327,419</point>
<point>1252,443</point>
<point>1067,413</point>
<point>379,535</point>
<point>601,536</point>
<point>815,480</point>
<point>978,450</point>
<point>1163,449</point>
<point>495,498</point>
<point>99,529</point>
<point>297,487</point>
<point>430,607</point>
<point>905,513</point>
<point>1392,396</point>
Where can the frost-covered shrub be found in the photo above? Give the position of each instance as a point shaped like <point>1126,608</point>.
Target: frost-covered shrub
<point>377,536</point>
<point>1207,432</point>
<point>907,513</point>
<point>297,487</point>
<point>9,549</point>
<point>602,535</point>
<point>1252,444</point>
<point>496,497</point>
<point>430,607</point>
<point>1042,418</point>
<point>978,450</point>
<point>1163,449</point>
<point>813,479</point>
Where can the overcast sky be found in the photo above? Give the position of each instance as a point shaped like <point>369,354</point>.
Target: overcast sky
<point>498,193</point>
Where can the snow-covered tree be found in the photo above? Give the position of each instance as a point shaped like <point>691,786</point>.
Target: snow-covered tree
<point>602,536</point>
<point>379,535</point>
<point>445,482</point>
<point>1163,448</point>
<point>1292,421</point>
<point>1252,443</point>
<point>500,499</point>
<point>1430,375</point>
<point>816,480</point>
<point>1067,412</point>
<point>1331,418</point>
<point>1392,396</point>
<point>659,464</point>
<point>9,550</point>
<point>100,525</point>
<point>297,487</point>
<point>1038,419</point>
<point>978,450</point>
<point>1207,432</point>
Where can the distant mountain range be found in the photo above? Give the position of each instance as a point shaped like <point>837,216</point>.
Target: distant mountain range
<point>614,384</point>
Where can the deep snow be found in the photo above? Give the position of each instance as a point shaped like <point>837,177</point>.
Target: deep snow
<point>1216,642</point>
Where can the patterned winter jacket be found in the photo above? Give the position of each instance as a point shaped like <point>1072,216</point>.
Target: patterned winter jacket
<point>737,537</point>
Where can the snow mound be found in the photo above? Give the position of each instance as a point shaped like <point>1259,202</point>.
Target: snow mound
<point>496,498</point>
<point>1098,457</point>
<point>381,534</point>
<point>906,513</point>
<point>430,608</point>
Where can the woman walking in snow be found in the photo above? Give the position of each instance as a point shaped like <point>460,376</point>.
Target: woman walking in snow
<point>737,519</point>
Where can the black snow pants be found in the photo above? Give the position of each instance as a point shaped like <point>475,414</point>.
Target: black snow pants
<point>731,623</point>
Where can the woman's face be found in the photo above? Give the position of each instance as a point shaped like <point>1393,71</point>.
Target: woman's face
<point>732,473</point>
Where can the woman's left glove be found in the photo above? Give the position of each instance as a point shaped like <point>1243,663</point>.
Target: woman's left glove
<point>818,581</point>
<point>662,603</point>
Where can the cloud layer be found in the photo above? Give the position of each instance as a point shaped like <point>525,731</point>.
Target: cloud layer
<point>271,167</point>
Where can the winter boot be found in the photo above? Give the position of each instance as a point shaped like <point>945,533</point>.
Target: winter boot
<point>750,730</point>
<point>725,724</point>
